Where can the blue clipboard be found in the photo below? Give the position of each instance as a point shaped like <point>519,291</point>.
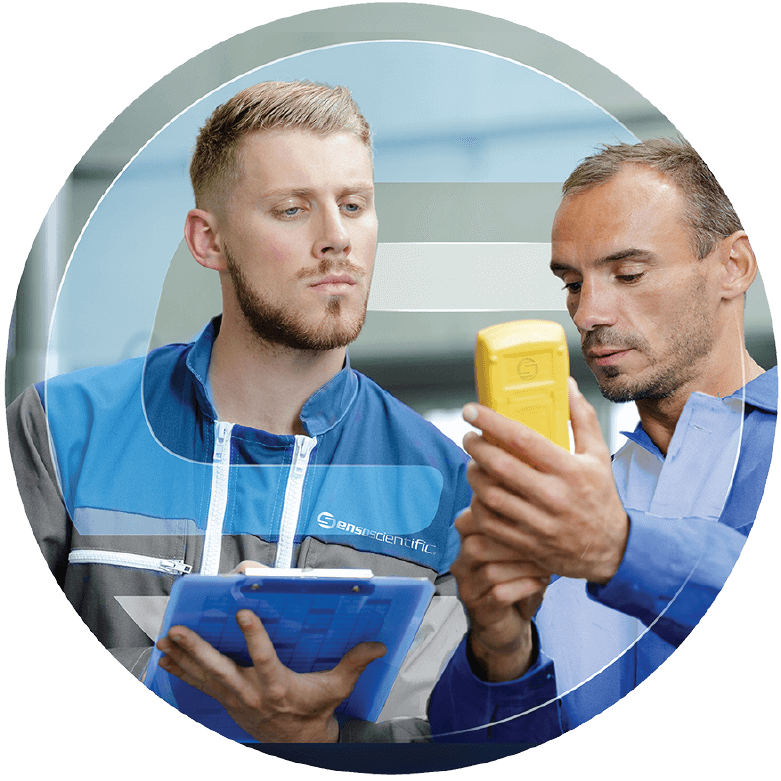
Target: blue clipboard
<point>313,618</point>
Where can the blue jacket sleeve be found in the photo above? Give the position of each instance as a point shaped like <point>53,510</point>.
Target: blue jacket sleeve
<point>464,708</point>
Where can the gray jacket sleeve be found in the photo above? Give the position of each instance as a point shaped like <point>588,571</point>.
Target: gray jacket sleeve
<point>36,478</point>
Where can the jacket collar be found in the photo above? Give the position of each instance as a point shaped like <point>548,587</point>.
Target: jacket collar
<point>324,409</point>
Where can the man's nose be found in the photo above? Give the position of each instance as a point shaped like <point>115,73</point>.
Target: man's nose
<point>333,238</point>
<point>595,306</point>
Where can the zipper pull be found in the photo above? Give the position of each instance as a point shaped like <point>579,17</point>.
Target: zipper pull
<point>174,567</point>
<point>304,446</point>
<point>222,433</point>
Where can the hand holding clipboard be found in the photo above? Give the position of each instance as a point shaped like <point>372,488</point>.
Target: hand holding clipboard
<point>304,639</point>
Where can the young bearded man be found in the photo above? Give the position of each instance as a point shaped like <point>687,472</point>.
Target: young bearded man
<point>257,442</point>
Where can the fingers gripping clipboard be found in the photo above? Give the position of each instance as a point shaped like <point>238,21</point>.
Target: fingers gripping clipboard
<point>313,617</point>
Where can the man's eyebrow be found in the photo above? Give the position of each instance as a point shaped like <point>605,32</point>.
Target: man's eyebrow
<point>624,254</point>
<point>304,192</point>
<point>288,191</point>
<point>557,266</point>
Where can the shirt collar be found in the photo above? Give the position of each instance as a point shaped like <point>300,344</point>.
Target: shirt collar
<point>761,392</point>
<point>323,410</point>
<point>639,437</point>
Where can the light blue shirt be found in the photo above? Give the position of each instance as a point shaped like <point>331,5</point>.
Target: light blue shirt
<point>708,432</point>
<point>689,516</point>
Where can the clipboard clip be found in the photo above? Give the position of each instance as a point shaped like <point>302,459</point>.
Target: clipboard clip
<point>308,572</point>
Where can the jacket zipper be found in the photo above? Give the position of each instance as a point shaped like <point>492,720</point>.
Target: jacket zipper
<point>132,560</point>
<point>210,560</point>
<point>292,505</point>
<point>212,544</point>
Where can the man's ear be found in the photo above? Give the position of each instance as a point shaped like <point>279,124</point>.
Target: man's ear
<point>738,265</point>
<point>201,235</point>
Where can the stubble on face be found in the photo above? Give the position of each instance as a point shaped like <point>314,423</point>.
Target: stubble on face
<point>670,367</point>
<point>288,328</point>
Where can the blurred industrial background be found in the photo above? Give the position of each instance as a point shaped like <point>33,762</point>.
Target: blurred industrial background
<point>471,147</point>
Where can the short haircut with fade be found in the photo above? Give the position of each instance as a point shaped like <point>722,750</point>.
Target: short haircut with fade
<point>708,211</point>
<point>216,163</point>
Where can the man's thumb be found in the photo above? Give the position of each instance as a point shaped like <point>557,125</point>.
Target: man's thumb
<point>356,660</point>
<point>585,424</point>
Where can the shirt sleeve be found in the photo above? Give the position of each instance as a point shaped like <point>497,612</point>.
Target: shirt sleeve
<point>464,708</point>
<point>671,572</point>
<point>673,569</point>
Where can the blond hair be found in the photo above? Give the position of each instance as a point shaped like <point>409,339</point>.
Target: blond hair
<point>216,163</point>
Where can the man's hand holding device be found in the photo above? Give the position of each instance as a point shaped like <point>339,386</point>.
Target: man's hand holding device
<point>537,509</point>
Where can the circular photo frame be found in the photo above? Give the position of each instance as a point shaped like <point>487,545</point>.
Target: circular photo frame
<point>454,175</point>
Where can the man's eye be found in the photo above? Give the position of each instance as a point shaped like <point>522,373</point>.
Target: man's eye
<point>629,278</point>
<point>287,213</point>
<point>572,287</point>
<point>351,208</point>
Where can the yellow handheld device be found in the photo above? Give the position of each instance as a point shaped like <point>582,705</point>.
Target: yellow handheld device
<point>521,370</point>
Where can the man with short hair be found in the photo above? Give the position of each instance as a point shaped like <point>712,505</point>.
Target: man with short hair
<point>655,265</point>
<point>256,442</point>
